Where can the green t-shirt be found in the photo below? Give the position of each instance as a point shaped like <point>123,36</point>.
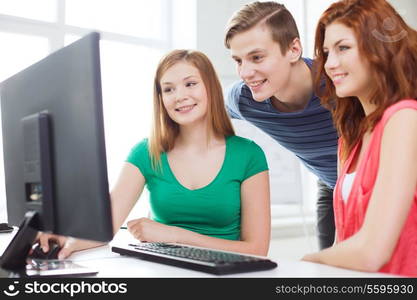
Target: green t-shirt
<point>213,210</point>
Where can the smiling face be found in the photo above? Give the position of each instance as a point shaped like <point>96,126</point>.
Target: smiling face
<point>260,62</point>
<point>184,94</point>
<point>344,64</point>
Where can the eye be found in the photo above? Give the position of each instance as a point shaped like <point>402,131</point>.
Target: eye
<point>190,84</point>
<point>343,48</point>
<point>257,58</point>
<point>167,90</point>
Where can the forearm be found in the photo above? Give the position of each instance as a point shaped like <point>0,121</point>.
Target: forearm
<point>120,211</point>
<point>78,244</point>
<point>188,237</point>
<point>125,193</point>
<point>350,254</point>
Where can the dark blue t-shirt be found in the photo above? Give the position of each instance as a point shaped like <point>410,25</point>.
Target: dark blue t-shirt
<point>308,133</point>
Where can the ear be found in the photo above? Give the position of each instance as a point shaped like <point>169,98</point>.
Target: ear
<point>295,50</point>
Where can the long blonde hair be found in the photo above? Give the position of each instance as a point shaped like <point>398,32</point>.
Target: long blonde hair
<point>164,130</point>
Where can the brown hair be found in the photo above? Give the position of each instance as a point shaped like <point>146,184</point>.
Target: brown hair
<point>388,45</point>
<point>272,14</point>
<point>164,129</point>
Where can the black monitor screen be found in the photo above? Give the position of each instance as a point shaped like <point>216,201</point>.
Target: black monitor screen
<point>63,93</point>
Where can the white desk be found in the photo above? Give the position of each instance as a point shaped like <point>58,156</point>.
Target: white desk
<point>111,264</point>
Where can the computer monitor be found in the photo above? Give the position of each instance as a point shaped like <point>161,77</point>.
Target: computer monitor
<point>54,149</point>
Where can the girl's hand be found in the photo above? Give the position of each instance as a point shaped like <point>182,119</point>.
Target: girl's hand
<point>146,230</point>
<point>68,244</point>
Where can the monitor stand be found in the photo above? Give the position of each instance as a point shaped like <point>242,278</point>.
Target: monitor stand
<point>15,262</point>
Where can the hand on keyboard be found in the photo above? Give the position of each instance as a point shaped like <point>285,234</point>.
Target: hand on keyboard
<point>147,230</point>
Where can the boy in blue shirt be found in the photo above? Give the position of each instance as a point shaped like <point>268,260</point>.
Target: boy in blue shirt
<point>276,95</point>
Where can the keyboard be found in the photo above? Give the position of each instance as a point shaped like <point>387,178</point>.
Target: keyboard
<point>194,258</point>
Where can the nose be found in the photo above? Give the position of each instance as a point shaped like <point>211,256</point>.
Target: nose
<point>180,94</point>
<point>332,61</point>
<point>246,71</point>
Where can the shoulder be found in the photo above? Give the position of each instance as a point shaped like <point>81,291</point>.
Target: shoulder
<point>234,91</point>
<point>401,116</point>
<point>247,156</point>
<point>141,146</point>
<point>139,151</point>
<point>234,96</point>
<point>244,144</point>
<point>139,156</point>
<point>239,140</point>
<point>308,61</point>
<point>399,124</point>
<point>314,102</point>
<point>402,109</point>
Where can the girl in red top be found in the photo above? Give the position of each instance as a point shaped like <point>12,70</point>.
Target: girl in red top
<point>367,56</point>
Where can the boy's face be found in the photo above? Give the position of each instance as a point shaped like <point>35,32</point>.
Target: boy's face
<point>260,63</point>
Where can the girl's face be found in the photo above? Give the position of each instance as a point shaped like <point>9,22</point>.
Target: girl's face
<point>344,65</point>
<point>184,94</point>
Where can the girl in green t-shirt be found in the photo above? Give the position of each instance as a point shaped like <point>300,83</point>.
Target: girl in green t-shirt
<point>208,187</point>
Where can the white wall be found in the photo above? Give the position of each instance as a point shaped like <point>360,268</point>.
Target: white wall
<point>407,9</point>
<point>212,17</point>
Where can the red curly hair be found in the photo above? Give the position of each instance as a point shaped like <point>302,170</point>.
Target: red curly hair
<point>389,46</point>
